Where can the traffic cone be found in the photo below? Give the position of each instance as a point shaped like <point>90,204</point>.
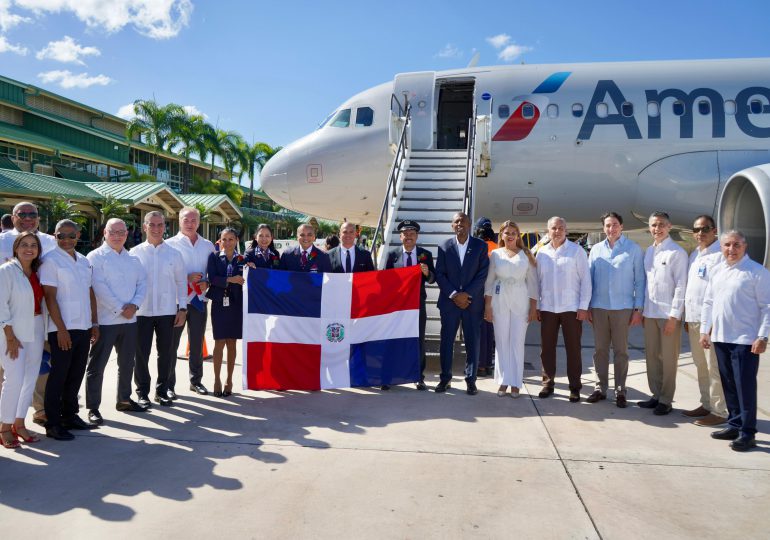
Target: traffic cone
<point>206,355</point>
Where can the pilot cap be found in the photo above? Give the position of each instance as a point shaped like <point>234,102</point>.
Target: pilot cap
<point>408,225</point>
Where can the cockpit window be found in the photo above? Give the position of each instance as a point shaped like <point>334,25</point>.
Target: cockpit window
<point>364,116</point>
<point>341,119</point>
<point>326,120</point>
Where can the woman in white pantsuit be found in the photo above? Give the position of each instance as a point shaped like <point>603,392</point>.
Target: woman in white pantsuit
<point>21,337</point>
<point>510,300</point>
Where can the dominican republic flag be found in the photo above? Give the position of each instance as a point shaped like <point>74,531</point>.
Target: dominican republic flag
<point>307,331</point>
<point>195,297</point>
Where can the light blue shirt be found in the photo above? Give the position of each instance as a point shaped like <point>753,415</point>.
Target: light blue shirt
<point>617,275</point>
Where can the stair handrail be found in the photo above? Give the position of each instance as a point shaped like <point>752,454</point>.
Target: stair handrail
<point>380,233</point>
<point>470,169</point>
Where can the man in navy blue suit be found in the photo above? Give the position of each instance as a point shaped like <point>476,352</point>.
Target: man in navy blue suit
<point>461,270</point>
<point>348,257</point>
<point>305,257</point>
<point>407,255</point>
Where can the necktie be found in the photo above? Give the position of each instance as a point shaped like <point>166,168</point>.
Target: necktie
<point>347,262</point>
<point>409,258</point>
<point>303,258</point>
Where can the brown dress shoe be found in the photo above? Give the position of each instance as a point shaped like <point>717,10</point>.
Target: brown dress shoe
<point>712,420</point>
<point>596,396</point>
<point>696,413</point>
<point>545,392</point>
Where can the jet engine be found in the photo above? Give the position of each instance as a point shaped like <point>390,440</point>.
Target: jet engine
<point>745,205</point>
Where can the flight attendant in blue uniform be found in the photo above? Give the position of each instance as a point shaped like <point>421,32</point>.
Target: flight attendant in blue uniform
<point>262,253</point>
<point>225,276</point>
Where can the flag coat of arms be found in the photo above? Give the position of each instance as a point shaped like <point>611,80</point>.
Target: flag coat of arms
<point>308,331</point>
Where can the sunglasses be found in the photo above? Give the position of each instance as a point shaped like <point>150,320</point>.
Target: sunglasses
<point>25,215</point>
<point>66,236</point>
<point>697,230</point>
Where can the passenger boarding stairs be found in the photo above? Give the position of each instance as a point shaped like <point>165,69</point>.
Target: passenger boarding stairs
<point>428,186</point>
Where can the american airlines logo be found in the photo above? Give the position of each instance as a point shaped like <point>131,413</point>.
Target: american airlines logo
<point>750,105</point>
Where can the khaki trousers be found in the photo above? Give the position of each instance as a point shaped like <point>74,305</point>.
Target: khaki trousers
<point>662,354</point>
<point>710,383</point>
<point>611,328</point>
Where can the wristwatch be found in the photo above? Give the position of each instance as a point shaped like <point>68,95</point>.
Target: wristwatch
<point>762,338</point>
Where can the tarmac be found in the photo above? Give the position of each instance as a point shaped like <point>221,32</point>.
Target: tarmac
<point>364,463</point>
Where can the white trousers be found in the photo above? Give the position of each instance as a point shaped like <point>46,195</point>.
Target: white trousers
<point>510,331</point>
<point>20,375</point>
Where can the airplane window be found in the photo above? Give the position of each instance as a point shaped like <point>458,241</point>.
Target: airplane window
<point>577,110</point>
<point>503,111</point>
<point>678,108</point>
<point>364,116</point>
<point>653,109</point>
<point>341,119</point>
<point>755,106</point>
<point>326,120</point>
<point>729,107</point>
<point>602,110</point>
<point>704,107</point>
<point>627,109</point>
<point>528,111</point>
<point>553,110</point>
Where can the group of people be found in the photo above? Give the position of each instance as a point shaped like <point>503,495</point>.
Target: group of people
<point>115,299</point>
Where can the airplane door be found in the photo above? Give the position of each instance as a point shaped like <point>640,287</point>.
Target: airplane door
<point>418,88</point>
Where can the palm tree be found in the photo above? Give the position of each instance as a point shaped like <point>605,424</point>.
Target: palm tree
<point>133,175</point>
<point>109,208</point>
<point>57,209</point>
<point>155,124</point>
<point>253,159</point>
<point>221,143</point>
<point>189,131</point>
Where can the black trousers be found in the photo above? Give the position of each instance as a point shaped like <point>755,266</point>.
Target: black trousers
<point>423,322</point>
<point>196,326</point>
<point>66,376</point>
<point>162,327</point>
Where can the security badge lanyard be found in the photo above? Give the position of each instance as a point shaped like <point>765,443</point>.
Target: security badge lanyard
<point>226,297</point>
<point>702,270</point>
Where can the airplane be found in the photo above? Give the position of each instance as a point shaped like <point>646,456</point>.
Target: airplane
<point>574,140</point>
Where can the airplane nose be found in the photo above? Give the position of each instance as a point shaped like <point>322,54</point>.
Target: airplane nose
<point>274,178</point>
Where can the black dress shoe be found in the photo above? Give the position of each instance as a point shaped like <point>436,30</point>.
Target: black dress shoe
<point>442,386</point>
<point>574,397</point>
<point>144,401</point>
<point>421,385</point>
<point>726,434</point>
<point>620,401</point>
<point>649,404</point>
<point>165,401</point>
<point>471,389</point>
<point>661,409</point>
<point>131,406</point>
<point>384,387</point>
<point>95,417</point>
<point>743,443</point>
<point>172,395</point>
<point>545,392</point>
<point>58,433</point>
<point>596,396</point>
<point>199,389</point>
<point>75,422</point>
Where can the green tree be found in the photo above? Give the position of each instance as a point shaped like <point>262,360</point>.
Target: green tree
<point>109,208</point>
<point>204,212</point>
<point>190,132</point>
<point>133,175</point>
<point>155,125</point>
<point>220,143</point>
<point>59,208</point>
<point>253,159</point>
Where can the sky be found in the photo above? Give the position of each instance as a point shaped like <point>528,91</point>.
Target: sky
<point>273,71</point>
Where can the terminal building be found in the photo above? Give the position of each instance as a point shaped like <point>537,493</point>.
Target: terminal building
<point>52,146</point>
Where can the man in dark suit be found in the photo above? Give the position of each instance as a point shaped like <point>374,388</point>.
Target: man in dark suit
<point>407,255</point>
<point>348,257</point>
<point>461,270</point>
<point>305,257</point>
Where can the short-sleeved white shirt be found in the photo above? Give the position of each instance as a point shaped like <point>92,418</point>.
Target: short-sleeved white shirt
<point>72,279</point>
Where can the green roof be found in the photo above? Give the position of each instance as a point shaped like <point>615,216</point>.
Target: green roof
<point>131,192</point>
<point>73,174</point>
<point>24,183</point>
<point>212,202</point>
<point>19,134</point>
<point>6,163</point>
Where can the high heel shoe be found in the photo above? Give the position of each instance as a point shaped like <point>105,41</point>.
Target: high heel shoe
<point>31,438</point>
<point>217,389</point>
<point>12,443</point>
<point>228,391</point>
<point>501,391</point>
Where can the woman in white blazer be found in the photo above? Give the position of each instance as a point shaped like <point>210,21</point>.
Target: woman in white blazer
<point>22,337</point>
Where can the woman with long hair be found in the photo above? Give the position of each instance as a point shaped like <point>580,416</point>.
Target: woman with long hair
<point>510,303</point>
<point>21,338</point>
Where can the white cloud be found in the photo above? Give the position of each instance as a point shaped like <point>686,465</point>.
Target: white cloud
<point>5,46</point>
<point>499,41</point>
<point>7,19</point>
<point>67,79</point>
<point>512,52</point>
<point>449,51</point>
<point>192,110</point>
<point>67,50</point>
<point>158,19</point>
<point>126,111</point>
